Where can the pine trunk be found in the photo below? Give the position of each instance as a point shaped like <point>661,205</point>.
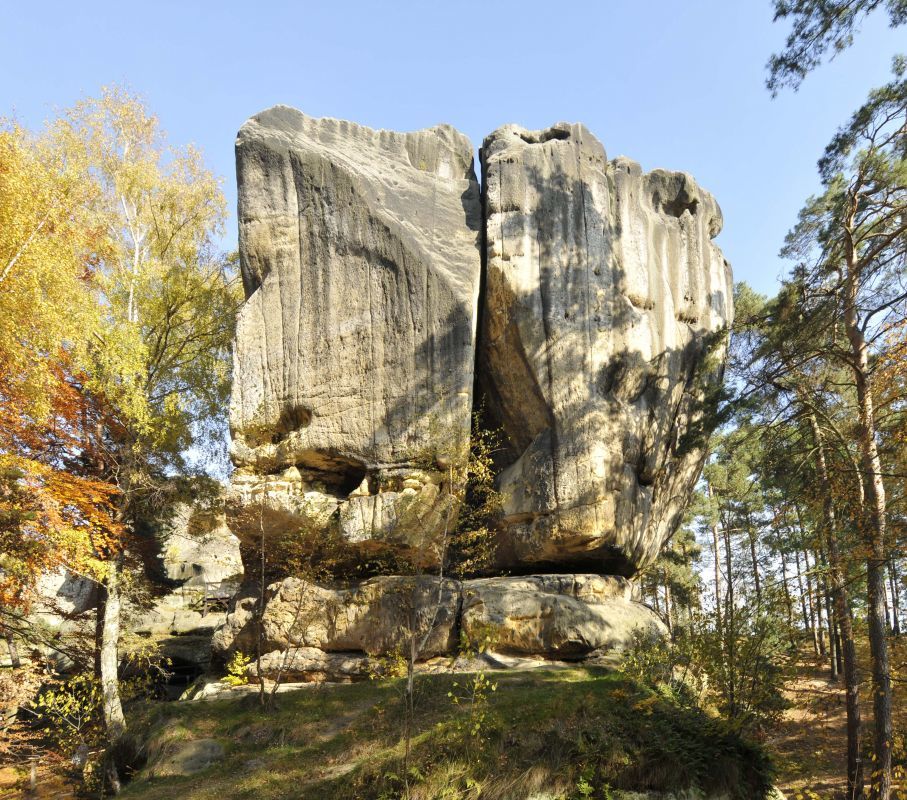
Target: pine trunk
<point>802,593</point>
<point>730,633</point>
<point>789,602</point>
<point>874,531</point>
<point>844,619</point>
<point>758,585</point>
<point>717,560</point>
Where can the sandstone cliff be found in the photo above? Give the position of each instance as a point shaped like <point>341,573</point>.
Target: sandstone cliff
<point>368,258</point>
<point>356,345</point>
<point>606,300</point>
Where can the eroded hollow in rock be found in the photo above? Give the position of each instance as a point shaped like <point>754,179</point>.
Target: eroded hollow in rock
<point>607,561</point>
<point>341,475</point>
<point>540,137</point>
<point>291,419</point>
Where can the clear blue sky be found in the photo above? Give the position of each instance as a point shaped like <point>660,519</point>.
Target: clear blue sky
<point>670,84</point>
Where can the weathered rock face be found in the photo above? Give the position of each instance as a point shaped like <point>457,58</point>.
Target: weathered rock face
<point>604,309</point>
<point>375,617</point>
<point>355,348</point>
<point>312,630</point>
<point>197,547</point>
<point>602,322</point>
<point>403,516</point>
<point>558,616</point>
<point>181,624</point>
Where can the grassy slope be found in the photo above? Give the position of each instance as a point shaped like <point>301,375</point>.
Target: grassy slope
<point>543,732</point>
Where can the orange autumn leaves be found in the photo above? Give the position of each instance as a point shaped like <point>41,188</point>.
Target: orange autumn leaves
<point>51,516</point>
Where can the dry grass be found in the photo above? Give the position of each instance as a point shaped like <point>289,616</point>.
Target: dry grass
<point>544,731</point>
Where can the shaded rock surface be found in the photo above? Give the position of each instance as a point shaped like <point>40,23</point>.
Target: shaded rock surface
<point>603,313</point>
<point>194,570</point>
<point>177,614</point>
<point>199,553</point>
<point>355,348</point>
<point>181,624</point>
<point>198,548</point>
<point>374,617</point>
<point>309,664</point>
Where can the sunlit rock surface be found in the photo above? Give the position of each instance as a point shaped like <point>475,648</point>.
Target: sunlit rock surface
<point>603,315</point>
<point>355,348</point>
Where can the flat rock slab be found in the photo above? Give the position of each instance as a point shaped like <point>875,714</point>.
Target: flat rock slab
<point>187,758</point>
<point>321,633</point>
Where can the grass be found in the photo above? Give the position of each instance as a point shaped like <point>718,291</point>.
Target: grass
<point>560,733</point>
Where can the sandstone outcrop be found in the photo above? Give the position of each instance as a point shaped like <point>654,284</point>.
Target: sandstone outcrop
<point>355,348</point>
<point>180,624</point>
<point>313,631</point>
<point>198,548</point>
<point>368,258</point>
<point>374,617</point>
<point>558,616</point>
<point>602,335</point>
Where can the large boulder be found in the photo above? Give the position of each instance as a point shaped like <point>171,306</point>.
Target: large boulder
<point>310,664</point>
<point>316,632</point>
<point>558,616</point>
<point>61,595</point>
<point>376,617</point>
<point>603,335</point>
<point>354,356</point>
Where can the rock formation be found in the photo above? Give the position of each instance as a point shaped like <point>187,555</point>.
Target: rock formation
<point>603,314</point>
<point>311,630</point>
<point>197,548</point>
<point>193,568</point>
<point>355,348</point>
<point>603,302</point>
